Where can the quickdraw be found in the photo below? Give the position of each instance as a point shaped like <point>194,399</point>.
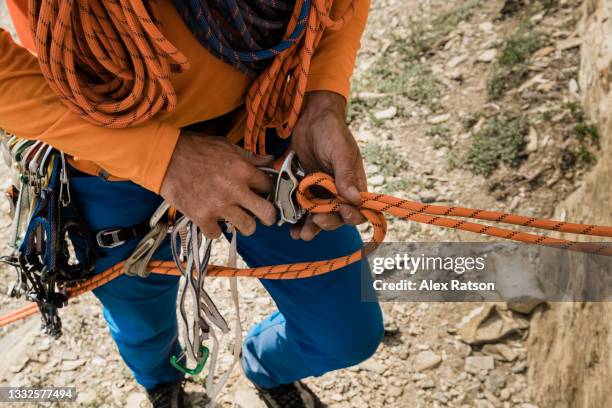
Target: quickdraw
<point>204,310</point>
<point>191,252</point>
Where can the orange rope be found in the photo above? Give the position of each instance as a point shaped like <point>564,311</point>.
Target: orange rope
<point>373,207</point>
<point>106,59</point>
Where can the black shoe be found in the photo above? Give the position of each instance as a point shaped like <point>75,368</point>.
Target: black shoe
<point>294,395</point>
<point>167,395</point>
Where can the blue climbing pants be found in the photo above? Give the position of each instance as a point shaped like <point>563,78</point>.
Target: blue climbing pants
<point>321,323</point>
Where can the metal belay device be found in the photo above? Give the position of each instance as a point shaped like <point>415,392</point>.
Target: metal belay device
<point>46,228</point>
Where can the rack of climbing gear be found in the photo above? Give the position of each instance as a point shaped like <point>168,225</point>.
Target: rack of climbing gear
<point>46,225</point>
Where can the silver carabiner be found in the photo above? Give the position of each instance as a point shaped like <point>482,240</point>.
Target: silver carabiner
<point>64,183</point>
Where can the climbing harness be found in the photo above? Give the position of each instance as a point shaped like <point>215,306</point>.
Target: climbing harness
<point>114,237</point>
<point>43,248</point>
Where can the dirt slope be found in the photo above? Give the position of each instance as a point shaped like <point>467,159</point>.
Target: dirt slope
<point>582,377</point>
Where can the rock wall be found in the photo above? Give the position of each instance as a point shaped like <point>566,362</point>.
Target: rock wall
<point>570,344</point>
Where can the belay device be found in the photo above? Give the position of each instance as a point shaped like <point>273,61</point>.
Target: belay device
<point>45,255</point>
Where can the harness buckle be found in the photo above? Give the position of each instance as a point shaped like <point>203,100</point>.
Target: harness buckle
<point>109,238</point>
<point>289,177</point>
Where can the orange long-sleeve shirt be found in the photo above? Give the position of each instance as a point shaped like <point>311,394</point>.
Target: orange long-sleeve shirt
<point>210,88</point>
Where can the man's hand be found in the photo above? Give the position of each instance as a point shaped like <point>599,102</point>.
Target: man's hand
<point>323,142</point>
<point>209,179</point>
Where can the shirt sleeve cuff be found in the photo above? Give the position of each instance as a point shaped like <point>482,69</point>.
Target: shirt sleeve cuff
<point>159,157</point>
<point>334,83</point>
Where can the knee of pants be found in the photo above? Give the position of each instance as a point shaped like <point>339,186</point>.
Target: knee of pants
<point>160,339</point>
<point>144,335</point>
<point>148,359</point>
<point>140,311</point>
<point>353,343</point>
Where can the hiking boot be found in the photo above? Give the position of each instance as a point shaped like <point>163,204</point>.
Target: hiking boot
<point>294,395</point>
<point>167,395</point>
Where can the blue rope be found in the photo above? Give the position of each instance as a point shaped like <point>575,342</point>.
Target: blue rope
<point>244,34</point>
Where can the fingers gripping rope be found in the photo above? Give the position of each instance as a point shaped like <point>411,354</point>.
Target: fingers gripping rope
<point>373,207</point>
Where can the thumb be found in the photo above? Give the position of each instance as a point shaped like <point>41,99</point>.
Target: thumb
<point>346,182</point>
<point>258,160</point>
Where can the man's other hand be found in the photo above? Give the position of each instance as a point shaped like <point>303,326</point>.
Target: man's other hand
<point>323,142</point>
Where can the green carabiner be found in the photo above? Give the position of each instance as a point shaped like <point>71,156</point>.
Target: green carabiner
<point>174,360</point>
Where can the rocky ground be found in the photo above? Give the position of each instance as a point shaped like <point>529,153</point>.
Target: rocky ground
<point>455,102</point>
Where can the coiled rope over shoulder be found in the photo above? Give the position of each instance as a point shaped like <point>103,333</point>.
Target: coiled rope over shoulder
<point>107,60</point>
<point>373,207</point>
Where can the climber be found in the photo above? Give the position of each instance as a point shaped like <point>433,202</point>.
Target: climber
<point>192,156</point>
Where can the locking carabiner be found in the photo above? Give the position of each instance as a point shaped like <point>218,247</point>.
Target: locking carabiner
<point>175,361</point>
